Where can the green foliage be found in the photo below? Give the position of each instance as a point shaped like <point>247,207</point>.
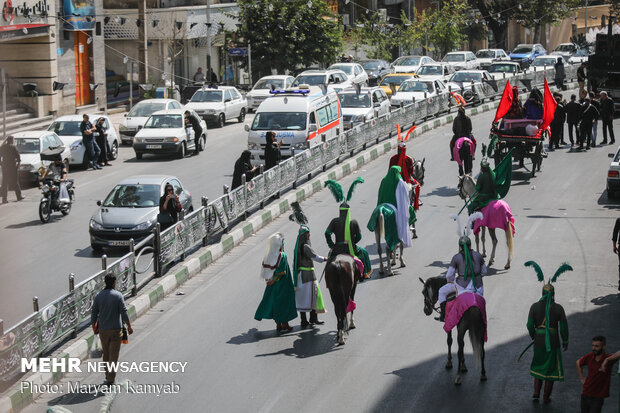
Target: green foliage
<point>446,33</point>
<point>534,13</point>
<point>415,32</point>
<point>285,34</point>
<point>375,37</point>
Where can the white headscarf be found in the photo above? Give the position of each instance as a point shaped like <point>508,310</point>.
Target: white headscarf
<point>272,256</point>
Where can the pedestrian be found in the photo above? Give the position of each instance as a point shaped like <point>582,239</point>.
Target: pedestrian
<point>594,102</point>
<point>560,74</point>
<point>615,240</point>
<point>169,207</point>
<point>278,302</point>
<point>102,142</point>
<point>596,383</point>
<point>199,76</point>
<point>546,323</point>
<point>108,315</point>
<point>557,124</point>
<point>461,127</point>
<point>192,121</point>
<point>91,149</point>
<point>607,114</point>
<point>588,114</point>
<point>10,169</point>
<point>272,150</point>
<point>573,116</point>
<point>581,80</point>
<point>212,75</point>
<point>243,166</point>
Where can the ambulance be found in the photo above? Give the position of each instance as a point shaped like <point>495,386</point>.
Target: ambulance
<point>298,116</point>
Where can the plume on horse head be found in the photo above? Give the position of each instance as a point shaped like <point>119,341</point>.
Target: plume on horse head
<point>471,222</point>
<point>336,189</point>
<point>456,218</point>
<point>298,215</point>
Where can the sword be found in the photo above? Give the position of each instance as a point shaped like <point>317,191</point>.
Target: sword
<point>526,349</point>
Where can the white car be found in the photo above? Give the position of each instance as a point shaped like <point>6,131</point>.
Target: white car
<point>461,60</point>
<point>261,89</point>
<point>165,132</point>
<point>613,175</point>
<point>68,130</point>
<point>410,64</point>
<point>566,50</point>
<point>354,71</point>
<point>504,70</point>
<point>217,105</point>
<point>488,56</point>
<point>473,85</point>
<point>435,71</point>
<point>415,90</point>
<point>546,61</point>
<point>333,79</point>
<point>579,57</point>
<point>359,108</point>
<point>140,113</point>
<point>30,145</point>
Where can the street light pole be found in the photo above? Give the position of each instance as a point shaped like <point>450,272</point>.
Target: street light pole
<point>208,70</point>
<point>250,62</point>
<point>585,33</point>
<point>3,84</point>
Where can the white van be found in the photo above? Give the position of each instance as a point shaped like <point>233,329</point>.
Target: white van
<point>297,116</point>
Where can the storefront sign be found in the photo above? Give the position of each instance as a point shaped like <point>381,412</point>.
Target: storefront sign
<point>79,14</point>
<point>13,12</point>
<point>17,30</point>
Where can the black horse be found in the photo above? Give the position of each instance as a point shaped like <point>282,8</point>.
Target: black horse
<point>471,321</point>
<point>341,276</point>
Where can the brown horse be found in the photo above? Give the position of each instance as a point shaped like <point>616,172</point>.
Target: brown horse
<point>341,276</point>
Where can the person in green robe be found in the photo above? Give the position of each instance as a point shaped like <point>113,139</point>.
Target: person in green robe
<point>278,301</point>
<point>485,188</point>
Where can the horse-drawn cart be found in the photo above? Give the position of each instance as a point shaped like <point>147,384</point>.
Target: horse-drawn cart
<point>513,136</point>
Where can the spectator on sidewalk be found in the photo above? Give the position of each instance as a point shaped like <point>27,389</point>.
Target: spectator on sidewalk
<point>108,315</point>
<point>560,74</point>
<point>91,149</point>
<point>272,150</point>
<point>607,114</point>
<point>243,166</point>
<point>10,169</point>
<point>199,76</point>
<point>596,383</point>
<point>102,142</point>
<point>594,102</point>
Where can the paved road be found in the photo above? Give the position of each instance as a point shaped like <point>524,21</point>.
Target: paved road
<point>38,258</point>
<point>393,361</point>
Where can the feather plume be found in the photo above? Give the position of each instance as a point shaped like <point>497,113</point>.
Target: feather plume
<point>484,150</point>
<point>409,132</point>
<point>563,268</point>
<point>456,218</point>
<point>298,215</point>
<point>356,181</point>
<point>336,189</point>
<point>400,138</point>
<point>539,273</point>
<point>471,221</point>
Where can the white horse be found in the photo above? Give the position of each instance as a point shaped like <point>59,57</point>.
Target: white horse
<point>379,234</point>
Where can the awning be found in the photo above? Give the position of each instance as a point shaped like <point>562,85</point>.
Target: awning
<point>17,30</point>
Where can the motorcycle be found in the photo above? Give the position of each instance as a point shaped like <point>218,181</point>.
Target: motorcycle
<point>51,198</point>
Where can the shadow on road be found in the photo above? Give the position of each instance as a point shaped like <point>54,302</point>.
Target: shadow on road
<point>75,398</point>
<point>442,191</point>
<point>309,344</point>
<point>34,223</point>
<point>604,201</point>
<point>606,300</point>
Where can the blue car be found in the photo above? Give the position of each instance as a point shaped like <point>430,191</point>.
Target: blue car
<point>524,54</point>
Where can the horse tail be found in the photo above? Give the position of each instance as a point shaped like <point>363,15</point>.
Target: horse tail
<point>510,239</point>
<point>476,335</point>
<point>381,224</point>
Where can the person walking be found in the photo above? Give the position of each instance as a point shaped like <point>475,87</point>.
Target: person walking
<point>272,150</point>
<point>243,166</point>
<point>594,102</point>
<point>169,207</point>
<point>615,240</point>
<point>102,142</point>
<point>573,115</point>
<point>557,124</point>
<point>107,317</point>
<point>588,115</point>
<point>581,80</point>
<point>596,383</point>
<point>607,114</point>
<point>560,74</point>
<point>10,169</point>
<point>91,149</point>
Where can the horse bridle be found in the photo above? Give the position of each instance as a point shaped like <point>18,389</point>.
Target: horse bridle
<point>428,302</point>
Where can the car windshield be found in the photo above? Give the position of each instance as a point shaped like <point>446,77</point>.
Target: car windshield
<point>348,69</point>
<point>394,80</point>
<point>146,109</point>
<point>267,83</point>
<point>485,54</point>
<point>133,196</point>
<point>279,121</point>
<point>353,100</point>
<point>66,128</point>
<point>207,96</point>
<point>407,61</point>
<point>430,70</point>
<point>27,145</point>
<point>312,80</point>
<point>458,57</point>
<point>565,48</point>
<point>501,68</point>
<point>164,121</point>
<point>522,49</point>
<point>415,86</point>
<point>546,61</point>
<point>372,65</point>
<point>466,77</point>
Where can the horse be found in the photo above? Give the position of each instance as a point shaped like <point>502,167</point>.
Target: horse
<point>466,186</point>
<point>472,321</point>
<point>380,233</point>
<point>341,276</point>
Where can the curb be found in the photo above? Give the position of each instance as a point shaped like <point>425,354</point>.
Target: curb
<point>15,400</point>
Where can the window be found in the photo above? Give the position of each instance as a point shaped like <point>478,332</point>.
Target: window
<point>177,186</point>
<point>57,142</point>
<point>234,93</point>
<point>328,113</point>
<point>134,196</point>
<point>227,96</point>
<point>175,105</point>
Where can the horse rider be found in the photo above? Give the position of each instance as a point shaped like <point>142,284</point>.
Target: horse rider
<point>544,318</point>
<point>461,127</point>
<point>470,267</point>
<point>485,187</point>
<point>346,230</point>
<point>463,152</point>
<point>307,290</point>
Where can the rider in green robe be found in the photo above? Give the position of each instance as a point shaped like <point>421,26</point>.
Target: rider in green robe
<point>485,188</point>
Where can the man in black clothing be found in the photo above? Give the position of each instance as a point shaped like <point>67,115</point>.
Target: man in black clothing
<point>581,79</point>
<point>194,122</point>
<point>91,149</point>
<point>573,115</point>
<point>461,127</point>
<point>607,114</point>
<point>614,240</point>
<point>557,125</point>
<point>10,167</point>
<point>588,115</point>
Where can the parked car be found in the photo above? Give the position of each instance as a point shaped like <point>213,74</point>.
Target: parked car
<point>261,89</point>
<point>375,69</point>
<point>410,64</point>
<point>488,56</point>
<point>140,113</point>
<point>504,70</point>
<point>130,210</point>
<point>30,145</point>
<point>336,79</point>
<point>218,104</point>
<point>413,90</point>
<point>435,71</point>
<point>354,71</point>
<point>613,175</point>
<point>545,60</point>
<point>471,84</point>
<point>393,81</point>
<point>461,60</point>
<point>165,132</point>
<point>68,130</point>
<point>359,108</point>
<point>580,56</point>
<point>526,53</point>
<point>566,50</point>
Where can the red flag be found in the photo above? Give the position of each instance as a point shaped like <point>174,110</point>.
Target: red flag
<point>505,103</point>
<point>549,105</point>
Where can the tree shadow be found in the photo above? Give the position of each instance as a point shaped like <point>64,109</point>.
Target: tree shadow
<point>439,264</point>
<point>606,300</point>
<point>309,344</point>
<point>443,191</point>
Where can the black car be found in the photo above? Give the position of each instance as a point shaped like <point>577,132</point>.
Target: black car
<point>376,69</point>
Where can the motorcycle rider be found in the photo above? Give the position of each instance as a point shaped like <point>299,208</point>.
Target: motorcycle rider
<point>57,170</point>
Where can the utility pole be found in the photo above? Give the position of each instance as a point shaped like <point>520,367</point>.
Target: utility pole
<point>250,63</point>
<point>3,84</point>
<point>208,68</point>
<point>585,33</point>
<point>142,43</point>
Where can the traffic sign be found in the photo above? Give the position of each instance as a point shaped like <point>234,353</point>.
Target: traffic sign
<point>237,51</point>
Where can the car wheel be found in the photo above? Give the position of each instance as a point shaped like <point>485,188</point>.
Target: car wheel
<point>114,151</point>
<point>138,155</point>
<point>201,143</point>
<point>221,120</point>
<point>181,153</point>
<point>241,117</point>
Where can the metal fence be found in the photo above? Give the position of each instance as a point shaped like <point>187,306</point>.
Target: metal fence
<point>45,327</point>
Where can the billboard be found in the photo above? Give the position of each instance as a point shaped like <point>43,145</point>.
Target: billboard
<point>79,14</point>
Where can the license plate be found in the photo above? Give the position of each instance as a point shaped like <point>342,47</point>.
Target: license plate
<point>153,146</point>
<point>118,243</point>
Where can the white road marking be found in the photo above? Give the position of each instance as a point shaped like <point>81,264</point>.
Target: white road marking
<point>532,229</point>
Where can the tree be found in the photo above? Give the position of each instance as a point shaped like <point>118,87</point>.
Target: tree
<point>448,24</point>
<point>536,13</point>
<point>374,36</point>
<point>497,14</point>
<point>284,34</point>
<point>414,33</point>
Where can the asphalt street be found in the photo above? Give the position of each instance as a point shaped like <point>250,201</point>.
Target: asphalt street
<point>394,360</point>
